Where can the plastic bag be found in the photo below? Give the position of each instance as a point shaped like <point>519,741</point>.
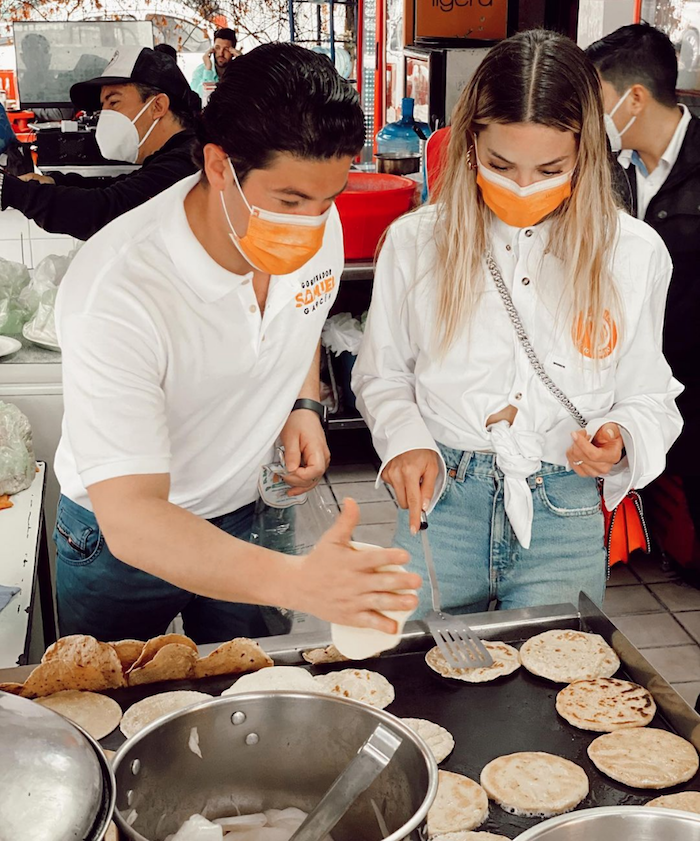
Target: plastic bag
<point>41,327</point>
<point>342,333</point>
<point>292,530</point>
<point>46,277</point>
<point>17,461</point>
<point>14,277</point>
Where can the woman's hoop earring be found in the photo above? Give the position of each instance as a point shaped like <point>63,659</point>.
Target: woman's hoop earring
<point>471,158</point>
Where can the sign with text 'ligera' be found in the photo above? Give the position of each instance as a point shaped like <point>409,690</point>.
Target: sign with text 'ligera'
<point>479,19</point>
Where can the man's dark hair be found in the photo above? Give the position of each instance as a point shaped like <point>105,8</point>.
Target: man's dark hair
<point>281,98</point>
<point>226,34</point>
<point>638,54</point>
<point>167,49</point>
<point>180,110</point>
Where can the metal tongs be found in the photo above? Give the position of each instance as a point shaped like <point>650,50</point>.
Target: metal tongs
<point>363,770</point>
<point>459,645</point>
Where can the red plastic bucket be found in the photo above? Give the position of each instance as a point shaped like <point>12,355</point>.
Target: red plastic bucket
<point>367,206</point>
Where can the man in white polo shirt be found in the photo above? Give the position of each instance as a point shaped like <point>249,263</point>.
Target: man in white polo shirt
<point>190,332</point>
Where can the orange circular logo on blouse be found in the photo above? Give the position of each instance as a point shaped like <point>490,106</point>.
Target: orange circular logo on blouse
<point>582,333</point>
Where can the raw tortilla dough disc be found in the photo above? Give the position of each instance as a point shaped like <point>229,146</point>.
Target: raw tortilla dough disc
<point>292,678</point>
<point>154,707</point>
<point>469,836</point>
<point>359,684</point>
<point>97,714</point>
<point>534,784</point>
<point>506,660</point>
<point>567,656</point>
<point>684,801</point>
<point>460,804</point>
<point>644,757</point>
<point>605,704</point>
<point>439,740</point>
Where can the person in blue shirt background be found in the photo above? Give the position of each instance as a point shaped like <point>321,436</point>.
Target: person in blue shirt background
<point>223,52</point>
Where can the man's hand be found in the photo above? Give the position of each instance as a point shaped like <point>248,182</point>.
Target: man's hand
<point>34,176</point>
<point>597,457</point>
<point>206,58</point>
<point>343,585</point>
<point>412,475</point>
<point>306,453</point>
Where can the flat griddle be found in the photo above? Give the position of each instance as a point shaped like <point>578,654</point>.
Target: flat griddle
<point>513,713</point>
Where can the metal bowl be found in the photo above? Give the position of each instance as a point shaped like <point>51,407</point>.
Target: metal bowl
<point>395,164</point>
<point>269,750</point>
<point>55,781</point>
<point>618,823</point>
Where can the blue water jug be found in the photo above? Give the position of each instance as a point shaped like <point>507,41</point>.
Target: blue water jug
<point>403,138</point>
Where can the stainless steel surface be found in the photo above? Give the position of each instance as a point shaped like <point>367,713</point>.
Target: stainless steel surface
<point>55,783</point>
<point>459,645</point>
<point>358,270</point>
<point>97,171</point>
<point>394,164</point>
<point>618,823</point>
<point>306,740</point>
<point>363,770</point>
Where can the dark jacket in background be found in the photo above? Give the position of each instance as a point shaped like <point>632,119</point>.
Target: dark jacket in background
<point>674,213</point>
<point>80,206</point>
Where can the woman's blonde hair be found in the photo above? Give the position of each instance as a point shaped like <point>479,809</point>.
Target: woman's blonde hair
<point>535,77</point>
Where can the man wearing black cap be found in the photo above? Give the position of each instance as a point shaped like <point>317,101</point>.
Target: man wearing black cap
<point>147,109</point>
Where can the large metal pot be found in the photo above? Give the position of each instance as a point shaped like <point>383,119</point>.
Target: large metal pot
<point>269,751</point>
<point>395,164</point>
<point>618,823</point>
<point>55,781</point>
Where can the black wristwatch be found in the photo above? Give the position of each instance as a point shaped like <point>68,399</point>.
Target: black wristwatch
<point>314,406</point>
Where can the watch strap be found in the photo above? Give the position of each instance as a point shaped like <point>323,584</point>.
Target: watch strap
<point>312,405</point>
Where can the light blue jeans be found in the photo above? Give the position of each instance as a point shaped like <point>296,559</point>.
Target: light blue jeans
<point>478,557</point>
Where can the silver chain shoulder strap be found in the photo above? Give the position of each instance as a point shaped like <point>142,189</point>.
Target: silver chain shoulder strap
<point>533,359</point>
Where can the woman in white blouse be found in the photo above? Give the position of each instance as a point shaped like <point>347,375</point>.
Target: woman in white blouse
<point>464,425</point>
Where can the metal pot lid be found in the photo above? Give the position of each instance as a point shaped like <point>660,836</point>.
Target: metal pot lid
<point>55,783</point>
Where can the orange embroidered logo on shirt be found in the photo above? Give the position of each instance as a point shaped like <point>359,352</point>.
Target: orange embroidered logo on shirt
<point>315,292</point>
<point>582,333</point>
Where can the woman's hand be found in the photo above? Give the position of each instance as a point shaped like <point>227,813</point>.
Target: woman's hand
<point>597,457</point>
<point>412,475</point>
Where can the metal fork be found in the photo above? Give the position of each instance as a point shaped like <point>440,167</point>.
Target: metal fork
<point>459,645</point>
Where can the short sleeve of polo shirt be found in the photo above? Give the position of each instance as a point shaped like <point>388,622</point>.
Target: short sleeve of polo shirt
<point>113,368</point>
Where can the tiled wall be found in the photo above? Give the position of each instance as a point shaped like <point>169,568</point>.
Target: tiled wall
<point>23,241</point>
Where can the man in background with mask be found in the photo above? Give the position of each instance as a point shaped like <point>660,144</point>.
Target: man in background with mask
<point>658,142</point>
<point>190,333</point>
<point>146,117</point>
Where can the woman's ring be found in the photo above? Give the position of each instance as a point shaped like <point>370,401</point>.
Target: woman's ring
<point>578,463</point>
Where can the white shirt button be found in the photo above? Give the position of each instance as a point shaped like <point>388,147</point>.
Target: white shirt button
<point>508,248</point>
<point>526,281</point>
<point>528,233</point>
<point>519,396</point>
<point>253,308</point>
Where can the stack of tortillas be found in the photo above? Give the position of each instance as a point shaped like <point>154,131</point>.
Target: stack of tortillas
<point>568,656</point>
<point>644,757</point>
<point>684,801</point>
<point>439,740</point>
<point>534,784</point>
<point>359,684</point>
<point>605,704</point>
<point>96,714</point>
<point>460,804</point>
<point>505,661</point>
<point>145,712</point>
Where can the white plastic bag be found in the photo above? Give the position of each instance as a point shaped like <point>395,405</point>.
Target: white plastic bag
<point>41,327</point>
<point>14,277</point>
<point>45,278</point>
<point>17,460</point>
<point>342,333</point>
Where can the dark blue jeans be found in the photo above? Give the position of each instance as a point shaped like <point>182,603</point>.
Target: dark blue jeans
<point>100,595</point>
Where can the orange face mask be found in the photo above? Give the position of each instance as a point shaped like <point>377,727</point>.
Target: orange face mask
<point>277,243</point>
<point>519,206</point>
